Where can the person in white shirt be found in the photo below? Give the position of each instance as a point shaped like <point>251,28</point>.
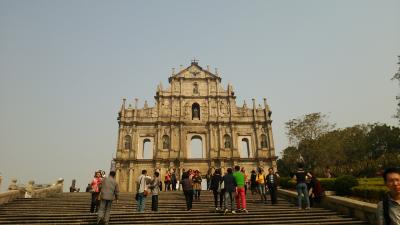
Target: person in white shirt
<point>142,190</point>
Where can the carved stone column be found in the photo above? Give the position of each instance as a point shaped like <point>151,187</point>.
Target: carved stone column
<point>130,185</point>
<point>117,172</point>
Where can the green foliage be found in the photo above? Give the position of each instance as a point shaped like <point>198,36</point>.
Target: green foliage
<point>344,184</point>
<point>374,193</point>
<point>309,127</point>
<point>287,183</point>
<point>378,181</point>
<point>361,150</point>
<point>327,183</point>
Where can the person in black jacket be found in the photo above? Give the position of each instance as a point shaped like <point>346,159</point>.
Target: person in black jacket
<point>187,190</point>
<point>253,183</point>
<point>217,188</point>
<point>230,188</point>
<point>301,186</point>
<point>272,183</point>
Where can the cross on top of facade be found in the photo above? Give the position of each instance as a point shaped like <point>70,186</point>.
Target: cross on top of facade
<point>194,61</point>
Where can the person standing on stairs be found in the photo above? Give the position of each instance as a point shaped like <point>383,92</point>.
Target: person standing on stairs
<point>142,190</point>
<point>109,191</point>
<point>95,203</point>
<point>260,179</point>
<point>240,196</point>
<point>217,188</point>
<point>300,177</point>
<point>155,189</point>
<point>187,190</point>
<point>230,186</point>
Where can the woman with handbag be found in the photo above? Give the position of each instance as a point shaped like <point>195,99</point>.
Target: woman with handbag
<point>142,190</point>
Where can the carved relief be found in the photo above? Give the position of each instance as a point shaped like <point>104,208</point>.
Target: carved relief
<point>221,142</point>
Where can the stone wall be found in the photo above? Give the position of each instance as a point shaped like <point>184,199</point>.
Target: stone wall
<point>30,191</point>
<point>358,209</point>
<point>194,109</point>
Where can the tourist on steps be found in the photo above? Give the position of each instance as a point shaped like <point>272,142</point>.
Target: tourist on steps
<point>173,179</point>
<point>217,188</point>
<point>155,189</point>
<point>315,191</point>
<point>260,179</point>
<point>167,181</point>
<point>301,186</point>
<point>197,184</point>
<point>240,196</point>
<point>109,192</point>
<point>95,203</point>
<point>253,183</point>
<point>230,186</point>
<point>187,190</point>
<point>142,190</point>
<point>272,184</point>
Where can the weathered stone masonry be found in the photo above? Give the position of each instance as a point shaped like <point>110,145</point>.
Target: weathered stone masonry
<point>195,106</point>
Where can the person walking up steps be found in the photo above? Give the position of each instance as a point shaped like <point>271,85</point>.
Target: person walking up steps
<point>109,191</point>
<point>240,195</point>
<point>230,185</point>
<point>260,179</point>
<point>217,188</point>
<point>96,182</point>
<point>301,186</point>
<point>187,190</point>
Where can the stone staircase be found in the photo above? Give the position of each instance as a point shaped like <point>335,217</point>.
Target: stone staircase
<point>73,208</point>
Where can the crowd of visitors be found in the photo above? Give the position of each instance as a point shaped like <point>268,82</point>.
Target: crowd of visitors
<point>229,187</point>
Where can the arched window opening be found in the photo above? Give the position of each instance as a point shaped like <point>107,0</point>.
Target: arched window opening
<point>165,142</point>
<point>195,88</point>
<point>147,149</point>
<point>245,153</point>
<point>195,111</point>
<point>264,141</point>
<point>127,142</point>
<point>227,141</point>
<point>196,147</point>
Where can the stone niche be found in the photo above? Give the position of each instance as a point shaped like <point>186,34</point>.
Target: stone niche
<point>194,123</point>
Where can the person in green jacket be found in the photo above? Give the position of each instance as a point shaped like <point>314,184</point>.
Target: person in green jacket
<point>240,191</point>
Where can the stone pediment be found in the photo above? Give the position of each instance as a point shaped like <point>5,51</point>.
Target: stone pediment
<point>194,71</point>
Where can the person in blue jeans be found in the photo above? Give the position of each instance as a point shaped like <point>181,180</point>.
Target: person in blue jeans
<point>302,192</point>
<point>142,182</point>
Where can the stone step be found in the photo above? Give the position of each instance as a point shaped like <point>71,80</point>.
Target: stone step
<point>72,208</point>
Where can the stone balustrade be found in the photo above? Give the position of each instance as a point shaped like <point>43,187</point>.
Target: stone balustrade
<point>30,191</point>
<point>354,208</point>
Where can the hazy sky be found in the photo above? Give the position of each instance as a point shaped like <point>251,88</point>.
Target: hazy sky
<point>66,65</point>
